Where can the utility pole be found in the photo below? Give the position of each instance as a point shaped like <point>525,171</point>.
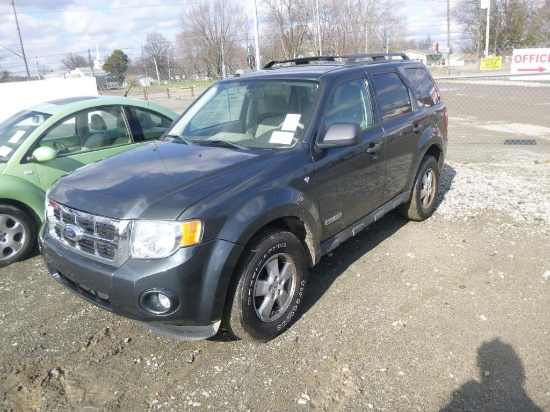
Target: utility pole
<point>21,42</point>
<point>486,4</point>
<point>448,39</point>
<point>256,35</point>
<point>319,28</point>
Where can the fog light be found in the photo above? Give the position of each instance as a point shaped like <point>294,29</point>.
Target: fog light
<point>158,301</point>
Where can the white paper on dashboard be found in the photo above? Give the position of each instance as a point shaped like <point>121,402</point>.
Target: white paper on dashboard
<point>16,136</point>
<point>291,122</point>
<point>5,151</point>
<point>281,137</point>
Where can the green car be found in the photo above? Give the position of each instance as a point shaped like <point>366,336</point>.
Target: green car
<point>46,141</point>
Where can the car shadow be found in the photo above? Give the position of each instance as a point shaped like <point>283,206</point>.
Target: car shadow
<point>334,264</point>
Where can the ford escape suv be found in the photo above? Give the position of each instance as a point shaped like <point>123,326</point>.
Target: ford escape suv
<point>216,223</point>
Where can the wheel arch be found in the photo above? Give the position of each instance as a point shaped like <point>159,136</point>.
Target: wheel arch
<point>23,195</point>
<point>29,211</point>
<point>426,148</point>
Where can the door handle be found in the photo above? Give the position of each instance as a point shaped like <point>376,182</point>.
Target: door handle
<point>416,128</point>
<point>373,148</point>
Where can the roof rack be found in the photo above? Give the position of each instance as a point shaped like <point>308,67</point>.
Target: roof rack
<point>359,59</point>
<point>303,60</point>
<point>347,60</point>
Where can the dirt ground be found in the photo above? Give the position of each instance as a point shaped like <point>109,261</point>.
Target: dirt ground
<point>451,314</point>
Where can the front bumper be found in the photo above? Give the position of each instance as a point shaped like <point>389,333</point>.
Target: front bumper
<point>199,276</point>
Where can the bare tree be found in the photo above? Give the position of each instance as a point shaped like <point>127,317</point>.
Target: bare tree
<point>539,31</point>
<point>213,36</point>
<point>292,20</point>
<point>512,24</point>
<point>74,60</point>
<point>363,26</point>
<point>157,51</point>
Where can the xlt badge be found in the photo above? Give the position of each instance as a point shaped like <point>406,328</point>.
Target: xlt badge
<point>333,219</point>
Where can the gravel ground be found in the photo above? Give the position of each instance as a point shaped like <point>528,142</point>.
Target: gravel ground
<point>446,315</point>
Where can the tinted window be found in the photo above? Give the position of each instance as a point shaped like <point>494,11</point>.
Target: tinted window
<point>392,95</point>
<point>424,88</point>
<point>350,103</point>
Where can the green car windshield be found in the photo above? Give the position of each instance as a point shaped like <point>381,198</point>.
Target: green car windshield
<point>248,114</point>
<point>15,129</point>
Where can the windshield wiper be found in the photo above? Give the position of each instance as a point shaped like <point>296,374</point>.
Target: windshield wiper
<point>225,143</point>
<point>175,138</point>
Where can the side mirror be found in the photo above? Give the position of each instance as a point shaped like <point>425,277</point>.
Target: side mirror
<point>340,135</point>
<point>43,154</point>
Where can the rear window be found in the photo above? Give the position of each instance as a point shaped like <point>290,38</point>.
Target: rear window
<point>426,92</point>
<point>392,95</point>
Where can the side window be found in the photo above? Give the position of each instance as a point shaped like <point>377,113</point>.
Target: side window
<point>152,125</point>
<point>223,108</point>
<point>87,130</point>
<point>63,137</point>
<point>350,103</point>
<point>426,92</point>
<point>106,127</point>
<point>393,97</point>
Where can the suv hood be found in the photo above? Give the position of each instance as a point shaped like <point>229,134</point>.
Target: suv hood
<point>125,186</point>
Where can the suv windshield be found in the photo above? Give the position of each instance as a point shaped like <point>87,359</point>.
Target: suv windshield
<point>267,114</point>
<point>15,129</point>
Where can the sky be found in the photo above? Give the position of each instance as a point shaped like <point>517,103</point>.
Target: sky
<point>50,29</point>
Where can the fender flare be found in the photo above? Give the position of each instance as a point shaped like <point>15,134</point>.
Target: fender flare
<point>429,142</point>
<point>271,205</point>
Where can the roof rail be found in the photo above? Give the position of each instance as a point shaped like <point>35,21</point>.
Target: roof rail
<point>303,60</point>
<point>348,60</point>
<point>359,59</point>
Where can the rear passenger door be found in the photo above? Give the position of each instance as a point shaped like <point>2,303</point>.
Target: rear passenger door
<point>401,125</point>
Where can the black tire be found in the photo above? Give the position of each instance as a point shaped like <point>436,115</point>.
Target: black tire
<point>17,235</point>
<point>424,196</point>
<point>267,287</point>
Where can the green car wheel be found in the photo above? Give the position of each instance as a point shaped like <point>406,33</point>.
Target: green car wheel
<point>17,235</point>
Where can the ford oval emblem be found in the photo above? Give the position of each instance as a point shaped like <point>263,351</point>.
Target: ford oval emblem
<point>73,233</point>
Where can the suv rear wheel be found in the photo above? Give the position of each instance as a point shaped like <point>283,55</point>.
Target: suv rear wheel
<point>426,186</point>
<point>267,288</point>
<point>17,235</point>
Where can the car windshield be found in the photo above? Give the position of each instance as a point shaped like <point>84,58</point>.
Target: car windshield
<point>248,114</point>
<point>15,129</point>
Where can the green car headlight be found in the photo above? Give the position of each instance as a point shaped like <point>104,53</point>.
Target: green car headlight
<point>158,239</point>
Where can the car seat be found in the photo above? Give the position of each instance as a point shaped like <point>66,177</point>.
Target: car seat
<point>98,137</point>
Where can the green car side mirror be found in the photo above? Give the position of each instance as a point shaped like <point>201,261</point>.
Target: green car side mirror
<point>43,154</point>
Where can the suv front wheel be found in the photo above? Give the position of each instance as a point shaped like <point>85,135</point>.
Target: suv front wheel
<point>267,288</point>
<point>426,186</point>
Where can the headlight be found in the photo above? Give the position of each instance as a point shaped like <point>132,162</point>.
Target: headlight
<point>156,239</point>
<point>49,210</point>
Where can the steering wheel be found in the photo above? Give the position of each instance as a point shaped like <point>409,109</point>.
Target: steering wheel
<point>60,147</point>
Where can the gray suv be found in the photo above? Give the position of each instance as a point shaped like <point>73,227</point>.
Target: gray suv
<point>216,223</point>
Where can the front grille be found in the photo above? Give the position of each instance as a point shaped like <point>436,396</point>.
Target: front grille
<point>95,237</point>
